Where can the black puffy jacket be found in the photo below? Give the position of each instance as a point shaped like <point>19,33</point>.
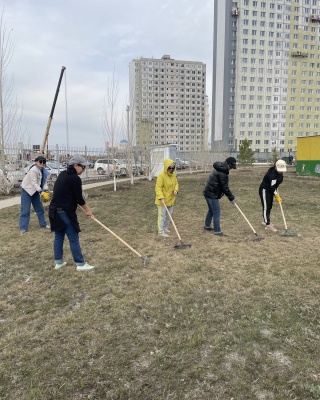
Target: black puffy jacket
<point>218,182</point>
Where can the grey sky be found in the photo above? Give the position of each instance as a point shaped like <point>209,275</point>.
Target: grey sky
<point>92,39</point>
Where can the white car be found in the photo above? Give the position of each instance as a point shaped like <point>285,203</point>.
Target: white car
<point>104,166</point>
<point>53,168</point>
<point>14,177</point>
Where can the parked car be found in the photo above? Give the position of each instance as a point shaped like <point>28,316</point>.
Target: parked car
<point>14,165</point>
<point>105,167</point>
<point>51,166</point>
<point>14,177</point>
<point>181,164</point>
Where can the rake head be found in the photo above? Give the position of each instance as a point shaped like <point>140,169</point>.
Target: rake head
<point>258,238</point>
<point>145,260</point>
<point>286,233</point>
<point>182,245</point>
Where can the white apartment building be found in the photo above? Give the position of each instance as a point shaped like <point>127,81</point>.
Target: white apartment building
<point>168,103</point>
<point>266,76</point>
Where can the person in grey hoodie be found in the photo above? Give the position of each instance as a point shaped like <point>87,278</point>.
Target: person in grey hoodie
<point>218,185</point>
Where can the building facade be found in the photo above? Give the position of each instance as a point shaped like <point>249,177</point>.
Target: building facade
<point>266,75</point>
<point>168,103</point>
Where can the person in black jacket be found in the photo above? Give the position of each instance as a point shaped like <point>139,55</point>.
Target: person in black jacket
<point>67,195</point>
<point>268,188</point>
<point>217,185</point>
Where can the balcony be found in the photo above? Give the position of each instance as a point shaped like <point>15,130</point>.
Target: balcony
<point>314,18</point>
<point>235,12</point>
<point>299,54</point>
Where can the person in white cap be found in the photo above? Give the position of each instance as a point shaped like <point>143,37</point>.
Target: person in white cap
<point>268,189</point>
<point>67,195</point>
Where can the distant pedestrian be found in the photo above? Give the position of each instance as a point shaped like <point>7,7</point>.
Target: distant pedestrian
<point>67,195</point>
<point>268,188</point>
<point>34,186</point>
<point>218,185</point>
<point>290,159</point>
<point>166,191</point>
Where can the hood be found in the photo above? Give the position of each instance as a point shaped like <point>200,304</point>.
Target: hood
<point>221,167</point>
<point>167,163</point>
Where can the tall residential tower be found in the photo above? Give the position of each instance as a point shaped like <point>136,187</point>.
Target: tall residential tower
<point>168,103</point>
<point>266,75</point>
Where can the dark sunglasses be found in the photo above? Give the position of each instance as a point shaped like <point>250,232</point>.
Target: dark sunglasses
<point>82,166</point>
<point>42,161</point>
<point>171,168</point>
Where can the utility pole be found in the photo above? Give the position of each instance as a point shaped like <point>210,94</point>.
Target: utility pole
<point>129,145</point>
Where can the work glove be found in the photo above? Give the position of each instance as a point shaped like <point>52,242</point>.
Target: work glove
<point>233,202</point>
<point>278,198</point>
<point>45,196</point>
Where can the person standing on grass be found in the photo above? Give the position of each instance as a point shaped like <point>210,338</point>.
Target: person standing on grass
<point>268,188</point>
<point>34,187</point>
<point>67,195</point>
<point>218,185</point>
<point>166,191</point>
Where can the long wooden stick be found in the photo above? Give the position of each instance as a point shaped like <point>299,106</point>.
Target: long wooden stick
<point>246,219</point>
<point>115,235</point>
<point>174,225</point>
<point>284,220</point>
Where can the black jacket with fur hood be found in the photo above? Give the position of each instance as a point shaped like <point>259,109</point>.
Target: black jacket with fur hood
<point>218,182</point>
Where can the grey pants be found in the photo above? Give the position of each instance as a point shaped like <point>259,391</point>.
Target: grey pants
<point>163,219</point>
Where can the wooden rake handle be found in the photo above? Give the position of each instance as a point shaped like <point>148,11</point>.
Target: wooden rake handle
<point>115,235</point>
<point>284,220</point>
<point>171,219</point>
<point>246,219</point>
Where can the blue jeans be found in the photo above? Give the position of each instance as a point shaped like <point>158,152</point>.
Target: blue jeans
<point>26,201</point>
<point>73,237</point>
<point>213,214</point>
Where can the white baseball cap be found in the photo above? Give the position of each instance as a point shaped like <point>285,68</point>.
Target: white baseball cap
<point>281,166</point>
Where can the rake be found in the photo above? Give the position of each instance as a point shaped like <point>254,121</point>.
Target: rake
<point>143,258</point>
<point>257,238</point>
<point>181,245</point>
<point>285,233</point>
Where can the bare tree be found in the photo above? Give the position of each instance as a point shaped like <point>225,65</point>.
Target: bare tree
<point>10,116</point>
<point>111,121</point>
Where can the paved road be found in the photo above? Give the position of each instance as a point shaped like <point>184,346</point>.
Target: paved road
<point>13,201</point>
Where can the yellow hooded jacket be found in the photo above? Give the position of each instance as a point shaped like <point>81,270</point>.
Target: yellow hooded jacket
<point>166,184</point>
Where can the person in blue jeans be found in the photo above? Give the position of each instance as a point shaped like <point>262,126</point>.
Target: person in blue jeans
<point>216,186</point>
<point>33,187</point>
<point>67,195</point>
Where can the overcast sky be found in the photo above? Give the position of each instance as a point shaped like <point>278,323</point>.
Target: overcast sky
<point>93,39</point>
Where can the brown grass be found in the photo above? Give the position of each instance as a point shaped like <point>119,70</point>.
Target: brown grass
<point>228,318</point>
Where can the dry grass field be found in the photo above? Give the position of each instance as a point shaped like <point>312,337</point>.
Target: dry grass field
<point>228,318</point>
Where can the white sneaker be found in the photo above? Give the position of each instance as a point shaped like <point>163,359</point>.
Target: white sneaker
<point>167,231</point>
<point>84,267</point>
<point>163,234</point>
<point>58,266</point>
<point>270,228</point>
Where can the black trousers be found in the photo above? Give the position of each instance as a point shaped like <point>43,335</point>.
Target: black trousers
<point>266,201</point>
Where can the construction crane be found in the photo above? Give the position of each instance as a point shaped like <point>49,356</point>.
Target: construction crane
<point>45,139</point>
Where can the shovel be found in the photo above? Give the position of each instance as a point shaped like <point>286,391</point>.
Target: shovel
<point>181,245</point>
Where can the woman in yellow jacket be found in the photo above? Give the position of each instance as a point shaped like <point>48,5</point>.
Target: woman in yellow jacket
<point>166,191</point>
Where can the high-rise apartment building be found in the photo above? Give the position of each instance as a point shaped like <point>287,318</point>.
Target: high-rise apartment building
<point>266,73</point>
<point>168,103</point>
